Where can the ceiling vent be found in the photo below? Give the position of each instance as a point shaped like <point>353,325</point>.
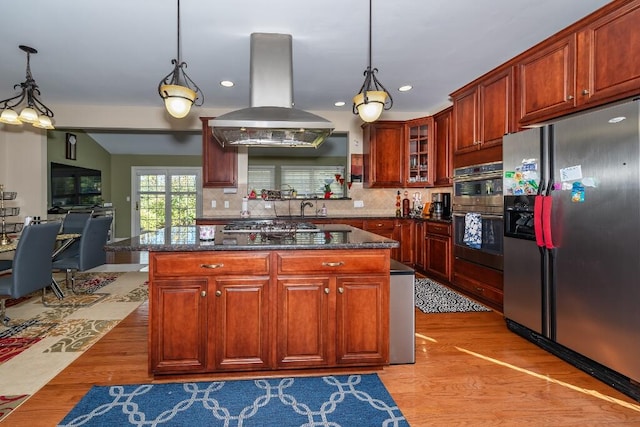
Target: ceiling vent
<point>271,121</point>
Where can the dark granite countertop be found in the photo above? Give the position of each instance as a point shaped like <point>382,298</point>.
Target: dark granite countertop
<point>330,236</point>
<point>311,218</point>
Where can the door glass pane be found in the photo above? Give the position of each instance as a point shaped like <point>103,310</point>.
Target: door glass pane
<point>152,211</point>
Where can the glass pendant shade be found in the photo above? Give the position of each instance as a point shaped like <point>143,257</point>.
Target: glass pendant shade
<point>372,109</point>
<point>43,122</point>
<point>10,117</point>
<point>28,115</point>
<point>177,99</point>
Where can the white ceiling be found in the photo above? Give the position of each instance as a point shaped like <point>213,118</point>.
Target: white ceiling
<point>116,52</point>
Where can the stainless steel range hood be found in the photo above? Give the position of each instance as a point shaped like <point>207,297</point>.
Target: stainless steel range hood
<point>271,121</point>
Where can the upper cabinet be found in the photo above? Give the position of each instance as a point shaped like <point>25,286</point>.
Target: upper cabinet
<point>546,80</point>
<point>383,154</point>
<point>419,154</point>
<point>588,64</point>
<point>482,112</point>
<point>608,65</point>
<point>442,127</point>
<point>219,164</point>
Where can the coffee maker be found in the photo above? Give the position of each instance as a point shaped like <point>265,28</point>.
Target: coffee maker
<point>441,205</point>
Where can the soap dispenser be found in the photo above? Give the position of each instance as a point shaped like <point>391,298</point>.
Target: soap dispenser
<point>323,211</point>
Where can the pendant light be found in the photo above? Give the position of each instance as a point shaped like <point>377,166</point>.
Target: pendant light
<point>177,89</point>
<point>34,112</point>
<point>373,97</point>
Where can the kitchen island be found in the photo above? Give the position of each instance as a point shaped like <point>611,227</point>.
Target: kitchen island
<point>266,301</point>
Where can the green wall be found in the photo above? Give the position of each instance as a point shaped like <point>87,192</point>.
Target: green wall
<point>121,182</point>
<point>89,154</point>
<point>116,170</point>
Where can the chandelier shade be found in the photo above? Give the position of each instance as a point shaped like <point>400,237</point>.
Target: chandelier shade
<point>34,111</point>
<point>177,89</point>
<point>372,98</point>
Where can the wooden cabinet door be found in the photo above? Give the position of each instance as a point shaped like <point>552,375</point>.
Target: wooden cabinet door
<point>388,228</point>
<point>608,64</point>
<point>405,232</point>
<point>546,81</point>
<point>465,122</point>
<point>219,164</point>
<point>383,154</point>
<point>419,148</point>
<point>495,108</point>
<point>419,247</point>
<point>305,331</point>
<point>442,147</point>
<point>438,259</point>
<point>362,320</point>
<point>241,328</point>
<point>178,311</point>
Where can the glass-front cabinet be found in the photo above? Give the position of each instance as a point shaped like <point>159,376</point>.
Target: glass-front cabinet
<point>420,152</point>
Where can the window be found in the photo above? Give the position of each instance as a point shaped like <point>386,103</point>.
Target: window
<point>309,181</point>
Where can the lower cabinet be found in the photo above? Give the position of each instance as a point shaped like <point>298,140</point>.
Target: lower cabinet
<point>438,250</point>
<point>256,311</point>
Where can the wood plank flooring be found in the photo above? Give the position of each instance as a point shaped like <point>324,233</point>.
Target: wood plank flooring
<point>469,371</point>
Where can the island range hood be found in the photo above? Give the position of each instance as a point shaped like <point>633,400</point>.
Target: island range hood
<point>271,121</point>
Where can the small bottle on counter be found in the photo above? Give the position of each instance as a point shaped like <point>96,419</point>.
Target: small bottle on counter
<point>398,211</point>
<point>323,211</point>
<point>406,205</point>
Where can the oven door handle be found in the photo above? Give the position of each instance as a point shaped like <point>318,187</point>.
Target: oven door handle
<point>483,216</point>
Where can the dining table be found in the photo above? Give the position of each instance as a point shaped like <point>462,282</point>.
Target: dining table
<point>63,240</point>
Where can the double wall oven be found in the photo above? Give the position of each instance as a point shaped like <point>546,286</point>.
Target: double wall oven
<point>477,213</point>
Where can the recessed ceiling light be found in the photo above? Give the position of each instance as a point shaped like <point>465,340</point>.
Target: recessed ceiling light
<point>226,83</point>
<point>339,104</point>
<point>405,88</point>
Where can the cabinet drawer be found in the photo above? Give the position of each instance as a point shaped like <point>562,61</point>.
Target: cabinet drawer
<point>356,261</point>
<point>438,228</point>
<point>374,225</point>
<point>210,263</point>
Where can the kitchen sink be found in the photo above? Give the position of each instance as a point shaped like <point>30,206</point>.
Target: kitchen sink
<point>270,226</point>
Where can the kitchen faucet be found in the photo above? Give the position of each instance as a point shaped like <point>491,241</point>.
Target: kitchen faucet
<point>303,205</point>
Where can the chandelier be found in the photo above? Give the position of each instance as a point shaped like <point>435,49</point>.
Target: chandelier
<point>177,89</point>
<point>34,112</point>
<point>373,97</point>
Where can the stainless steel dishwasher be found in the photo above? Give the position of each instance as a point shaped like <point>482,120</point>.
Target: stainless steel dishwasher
<point>402,321</point>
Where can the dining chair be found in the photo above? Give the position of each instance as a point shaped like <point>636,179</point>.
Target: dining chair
<point>74,222</point>
<point>90,252</point>
<point>31,268</point>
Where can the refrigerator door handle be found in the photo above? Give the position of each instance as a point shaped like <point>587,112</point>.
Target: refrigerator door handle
<point>537,220</point>
<point>546,221</point>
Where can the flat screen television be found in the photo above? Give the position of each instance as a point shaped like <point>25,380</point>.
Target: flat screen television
<point>75,186</point>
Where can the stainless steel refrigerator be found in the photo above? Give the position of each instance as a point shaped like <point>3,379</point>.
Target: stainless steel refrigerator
<point>572,240</point>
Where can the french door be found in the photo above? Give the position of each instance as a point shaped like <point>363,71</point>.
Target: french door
<point>165,197</point>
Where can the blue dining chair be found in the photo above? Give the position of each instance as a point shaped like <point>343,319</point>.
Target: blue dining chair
<point>31,267</point>
<point>90,251</point>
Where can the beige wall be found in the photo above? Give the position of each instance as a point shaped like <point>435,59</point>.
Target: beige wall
<point>23,157</point>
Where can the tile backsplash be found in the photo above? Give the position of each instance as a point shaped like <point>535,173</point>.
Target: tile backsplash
<point>376,202</point>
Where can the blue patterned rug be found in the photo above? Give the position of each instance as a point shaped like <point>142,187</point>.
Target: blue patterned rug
<point>330,401</point>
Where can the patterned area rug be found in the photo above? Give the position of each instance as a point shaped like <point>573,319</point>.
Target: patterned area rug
<point>354,400</point>
<point>41,341</point>
<point>432,297</point>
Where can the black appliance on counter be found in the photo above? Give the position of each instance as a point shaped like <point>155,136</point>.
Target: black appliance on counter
<point>441,205</point>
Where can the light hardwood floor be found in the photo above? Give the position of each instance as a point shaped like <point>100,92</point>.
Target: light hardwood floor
<point>469,371</point>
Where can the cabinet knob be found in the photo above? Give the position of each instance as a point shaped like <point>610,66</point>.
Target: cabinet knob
<point>569,98</point>
<point>585,91</point>
<point>203,293</point>
<point>341,290</point>
<point>479,289</point>
<point>332,264</point>
<point>211,266</point>
<point>326,291</point>
<point>218,293</point>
